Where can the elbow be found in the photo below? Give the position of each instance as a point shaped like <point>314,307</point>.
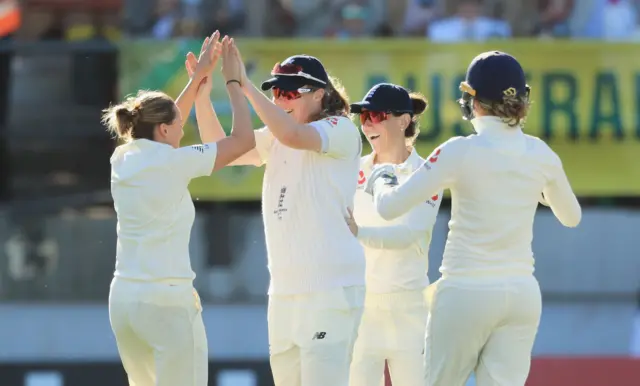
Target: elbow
<point>574,219</point>
<point>385,212</point>
<point>246,136</point>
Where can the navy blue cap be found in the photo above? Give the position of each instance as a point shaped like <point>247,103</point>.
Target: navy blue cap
<point>493,75</point>
<point>297,71</point>
<point>385,97</point>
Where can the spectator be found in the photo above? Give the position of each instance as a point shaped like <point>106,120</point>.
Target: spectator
<point>418,15</point>
<point>167,16</point>
<point>468,25</point>
<point>280,21</point>
<point>554,18</point>
<point>620,20</point>
<point>226,16</point>
<point>613,20</point>
<point>87,25</point>
<point>316,18</point>
<point>353,19</point>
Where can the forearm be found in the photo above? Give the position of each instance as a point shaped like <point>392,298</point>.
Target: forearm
<point>393,202</point>
<point>242,139</point>
<point>208,123</point>
<point>186,99</point>
<point>388,237</point>
<point>242,123</point>
<point>281,125</point>
<point>563,202</point>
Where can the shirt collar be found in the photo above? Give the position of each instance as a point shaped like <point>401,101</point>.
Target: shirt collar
<point>407,165</point>
<point>491,125</point>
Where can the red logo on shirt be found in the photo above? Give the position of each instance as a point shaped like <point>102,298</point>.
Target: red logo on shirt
<point>333,121</point>
<point>434,158</point>
<point>361,179</point>
<point>434,198</point>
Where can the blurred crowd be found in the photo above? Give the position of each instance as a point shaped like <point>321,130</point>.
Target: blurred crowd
<point>437,20</point>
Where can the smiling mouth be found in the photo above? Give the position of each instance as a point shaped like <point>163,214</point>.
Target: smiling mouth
<point>373,137</point>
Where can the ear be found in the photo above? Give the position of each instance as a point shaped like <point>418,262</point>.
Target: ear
<point>162,130</point>
<point>476,106</point>
<point>318,94</point>
<point>405,120</point>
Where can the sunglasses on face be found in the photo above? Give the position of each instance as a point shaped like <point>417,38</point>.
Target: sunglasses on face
<point>292,94</point>
<point>374,116</point>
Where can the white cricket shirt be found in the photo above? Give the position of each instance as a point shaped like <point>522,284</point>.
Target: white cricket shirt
<point>397,251</point>
<point>155,212</point>
<point>496,178</point>
<point>305,196</point>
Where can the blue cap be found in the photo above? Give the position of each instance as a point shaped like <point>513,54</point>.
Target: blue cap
<point>297,71</point>
<point>493,75</point>
<point>385,97</point>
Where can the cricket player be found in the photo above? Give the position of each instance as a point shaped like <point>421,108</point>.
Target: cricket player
<point>312,154</point>
<point>395,312</point>
<point>155,312</point>
<point>485,309</point>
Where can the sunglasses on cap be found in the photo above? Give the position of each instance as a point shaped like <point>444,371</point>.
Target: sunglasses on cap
<point>291,94</point>
<point>293,70</point>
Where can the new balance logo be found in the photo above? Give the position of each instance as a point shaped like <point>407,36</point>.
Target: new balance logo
<point>319,335</point>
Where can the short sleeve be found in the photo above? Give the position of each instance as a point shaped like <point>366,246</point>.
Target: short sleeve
<point>264,141</point>
<point>195,161</point>
<point>340,137</point>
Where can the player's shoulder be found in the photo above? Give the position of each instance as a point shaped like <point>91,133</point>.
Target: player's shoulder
<point>542,150</point>
<point>456,144</point>
<point>341,122</point>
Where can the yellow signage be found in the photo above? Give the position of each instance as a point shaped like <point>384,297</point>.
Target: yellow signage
<point>586,98</point>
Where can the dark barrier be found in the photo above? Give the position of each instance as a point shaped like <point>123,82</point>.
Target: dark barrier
<point>244,373</point>
<point>549,371</point>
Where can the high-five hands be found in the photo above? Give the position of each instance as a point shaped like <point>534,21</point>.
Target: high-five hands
<point>232,66</point>
<point>234,55</point>
<point>201,68</point>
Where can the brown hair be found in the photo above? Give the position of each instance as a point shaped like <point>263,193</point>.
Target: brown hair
<point>138,116</point>
<point>335,101</point>
<point>419,104</point>
<point>513,109</point>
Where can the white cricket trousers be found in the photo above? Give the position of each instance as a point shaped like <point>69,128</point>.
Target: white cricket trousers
<point>392,329</point>
<point>311,336</point>
<point>482,324</point>
<point>159,331</point>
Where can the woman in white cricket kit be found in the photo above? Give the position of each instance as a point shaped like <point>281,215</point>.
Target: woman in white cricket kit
<point>485,309</point>
<point>395,311</point>
<point>155,312</point>
<point>312,152</point>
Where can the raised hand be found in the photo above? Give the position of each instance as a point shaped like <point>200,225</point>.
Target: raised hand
<point>234,54</point>
<point>206,84</point>
<point>209,55</point>
<point>231,67</point>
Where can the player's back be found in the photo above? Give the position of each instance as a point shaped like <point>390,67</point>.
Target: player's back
<point>496,191</point>
<point>155,211</point>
